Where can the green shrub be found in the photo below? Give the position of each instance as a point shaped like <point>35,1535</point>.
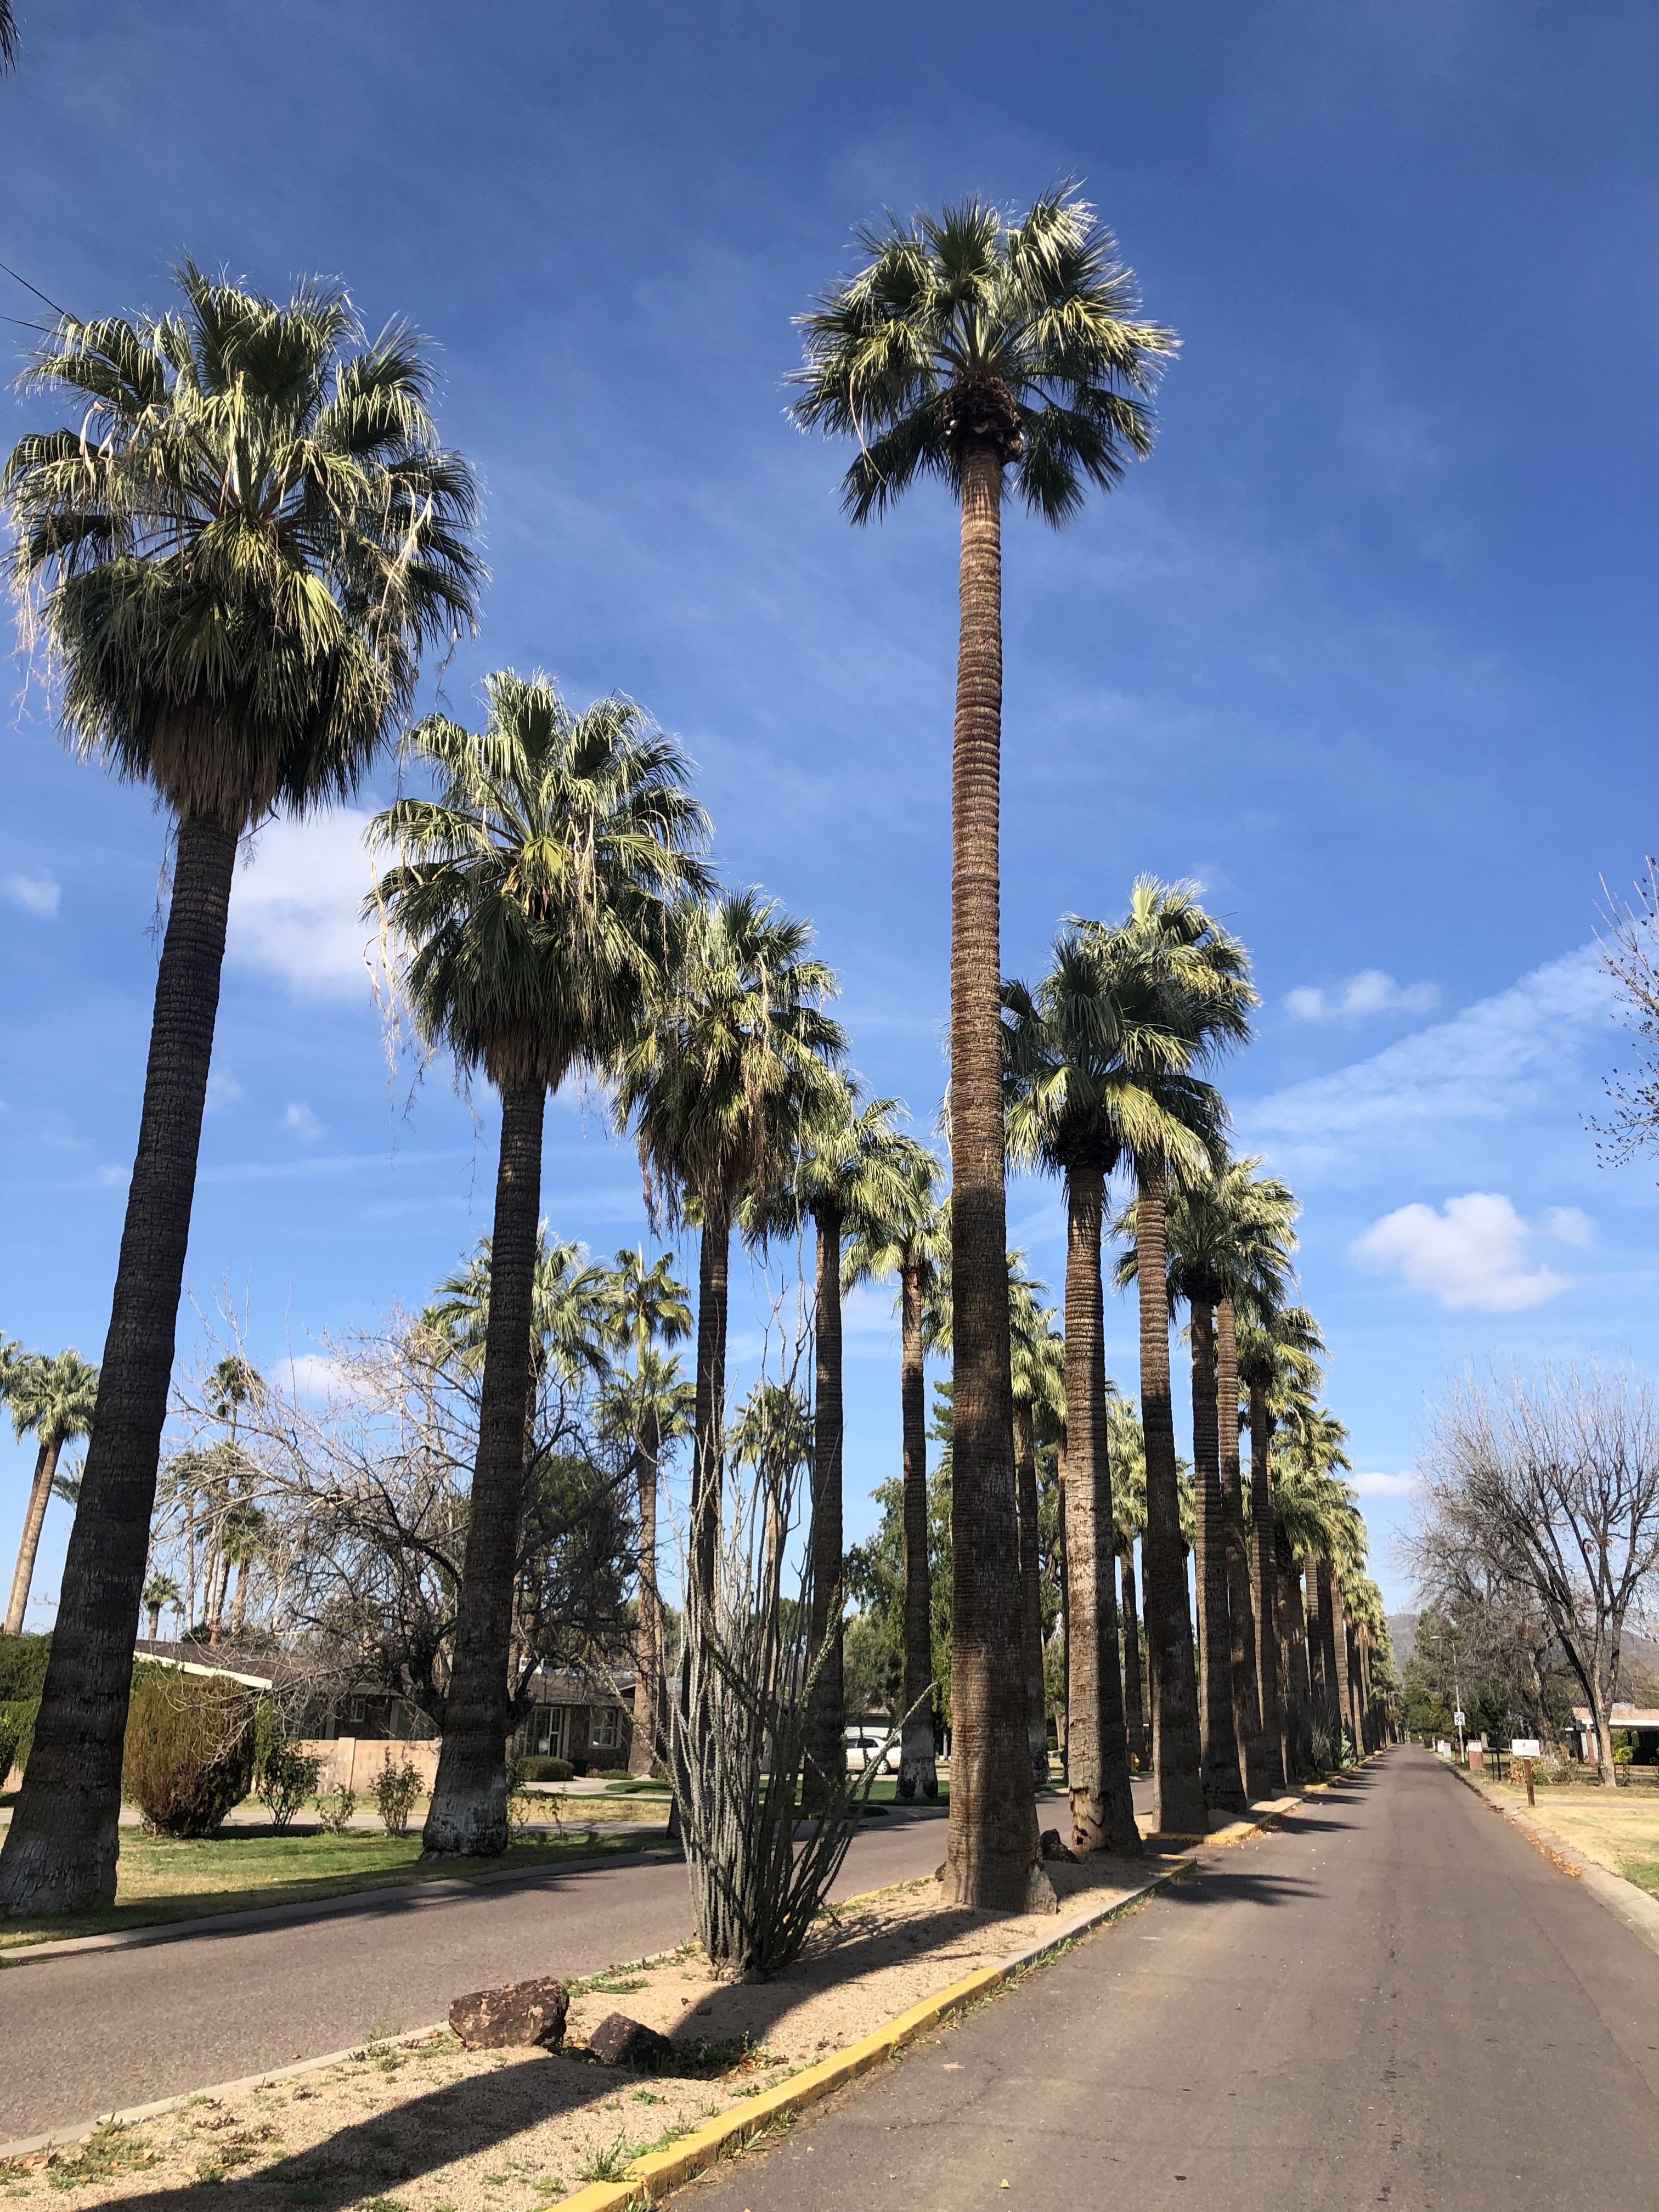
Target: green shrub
<point>608,1774</point>
<point>23,1668</point>
<point>282,1781</point>
<point>541,1770</point>
<point>189,1750</point>
<point>396,1789</point>
<point>334,1808</point>
<point>16,1735</point>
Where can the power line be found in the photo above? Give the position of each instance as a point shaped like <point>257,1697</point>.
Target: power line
<point>45,327</point>
<point>38,292</point>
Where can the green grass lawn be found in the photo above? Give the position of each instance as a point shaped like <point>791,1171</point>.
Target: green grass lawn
<point>1605,1824</point>
<point>162,1880</point>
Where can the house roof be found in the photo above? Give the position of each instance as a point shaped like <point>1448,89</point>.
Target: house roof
<point>1625,1716</point>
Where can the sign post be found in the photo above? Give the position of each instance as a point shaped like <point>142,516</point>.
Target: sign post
<point>1523,1749</point>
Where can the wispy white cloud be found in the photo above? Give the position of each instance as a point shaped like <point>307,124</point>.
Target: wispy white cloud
<point>312,1375</point>
<point>223,1089</point>
<point>294,910</point>
<point>1387,1485</point>
<point>1515,1053</point>
<point>36,895</point>
<point>1371,992</point>
<point>301,1121</point>
<point>1473,1253</point>
<point>1568,1224</point>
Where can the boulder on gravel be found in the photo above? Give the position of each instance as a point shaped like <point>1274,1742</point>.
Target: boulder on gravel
<point>619,2041</point>
<point>1055,1848</point>
<point>518,2015</point>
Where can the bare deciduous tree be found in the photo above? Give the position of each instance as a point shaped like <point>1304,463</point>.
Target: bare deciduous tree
<point>1629,954</point>
<point>1545,1484</point>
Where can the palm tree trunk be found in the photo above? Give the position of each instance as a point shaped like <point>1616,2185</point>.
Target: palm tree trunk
<point>647,1648</point>
<point>918,1774</point>
<point>826,1743</point>
<point>1259,1760</point>
<point>1224,1783</point>
<point>1063,1717</point>
<point>1328,1683</point>
<point>239,1603</point>
<point>1269,1691</point>
<point>1135,1693</point>
<point>1298,1682</point>
<point>189,1558</point>
<point>713,1259</point>
<point>156,1624</point>
<point>1030,1595</point>
<point>60,1851</point>
<point>1178,1806</point>
<point>993,1860</point>
<point>468,1813</point>
<point>1097,1768</point>
<point>45,1466</point>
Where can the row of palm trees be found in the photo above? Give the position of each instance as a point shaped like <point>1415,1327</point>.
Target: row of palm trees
<point>237,553</point>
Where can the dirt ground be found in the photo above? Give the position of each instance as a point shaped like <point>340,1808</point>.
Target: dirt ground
<point>433,2128</point>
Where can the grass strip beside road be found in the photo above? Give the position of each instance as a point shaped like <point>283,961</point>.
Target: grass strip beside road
<point>1622,1837</point>
<point>162,1879</point>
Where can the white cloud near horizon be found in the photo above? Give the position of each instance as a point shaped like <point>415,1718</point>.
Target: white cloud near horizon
<point>1473,1253</point>
<point>1387,1485</point>
<point>37,895</point>
<point>1514,1054</point>
<point>295,911</point>
<point>1371,992</point>
<point>312,1375</point>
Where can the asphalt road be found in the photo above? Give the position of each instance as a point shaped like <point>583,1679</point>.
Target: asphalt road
<point>1394,2000</point>
<point>102,2031</point>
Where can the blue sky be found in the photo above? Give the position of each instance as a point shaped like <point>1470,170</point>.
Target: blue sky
<point>1367,646</point>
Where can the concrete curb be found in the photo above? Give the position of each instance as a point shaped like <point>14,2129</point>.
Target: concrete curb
<point>446,1889</point>
<point>1625,1899</point>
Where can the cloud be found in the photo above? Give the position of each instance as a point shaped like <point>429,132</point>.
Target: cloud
<point>1512,1054</point>
<point>303,1122</point>
<point>37,895</point>
<point>1371,992</point>
<point>223,1089</point>
<point>1568,1224</point>
<point>295,911</point>
<point>1473,1254</point>
<point>1387,1485</point>
<point>312,1375</point>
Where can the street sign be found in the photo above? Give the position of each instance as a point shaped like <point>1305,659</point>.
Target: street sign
<point>1525,1746</point>
<point>1457,1720</point>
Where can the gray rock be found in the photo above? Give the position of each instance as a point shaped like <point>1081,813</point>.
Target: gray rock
<point>619,2041</point>
<point>1053,1848</point>
<point>520,2015</point>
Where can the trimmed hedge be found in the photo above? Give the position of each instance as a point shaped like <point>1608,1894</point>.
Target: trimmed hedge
<point>542,1770</point>
<point>23,1668</point>
<point>17,1734</point>
<point>190,1750</point>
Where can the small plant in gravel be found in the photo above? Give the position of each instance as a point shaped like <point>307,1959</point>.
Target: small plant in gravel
<point>611,2164</point>
<point>105,2155</point>
<point>335,1808</point>
<point>396,1789</point>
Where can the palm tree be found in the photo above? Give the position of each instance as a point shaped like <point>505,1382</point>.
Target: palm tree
<point>967,344</point>
<point>1277,1343</point>
<point>1327,1531</point>
<point>845,1161</point>
<point>569,1316</point>
<point>1127,1451</point>
<point>1038,1378</point>
<point>1197,977</point>
<point>716,1085</point>
<point>50,1399</point>
<point>8,37</point>
<point>911,1240</point>
<point>159,1590</point>
<point>772,1436</point>
<point>529,901</point>
<point>235,555</point>
<point>652,1408</point>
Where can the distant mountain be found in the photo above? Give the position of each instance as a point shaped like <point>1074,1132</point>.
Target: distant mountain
<point>1402,1628</point>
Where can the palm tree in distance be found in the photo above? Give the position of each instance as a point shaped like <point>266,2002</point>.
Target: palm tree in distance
<point>569,1316</point>
<point>909,1239</point>
<point>1199,979</point>
<point>236,556</point>
<point>1037,1379</point>
<point>846,1161</point>
<point>1276,1344</point>
<point>51,1399</point>
<point>652,1406</point>
<point>529,901</point>
<point>1128,1451</point>
<point>715,1085</point>
<point>969,345</point>
<point>159,1590</point>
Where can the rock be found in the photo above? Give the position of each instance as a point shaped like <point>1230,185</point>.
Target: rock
<point>520,2015</point>
<point>1053,1848</point>
<point>619,2041</point>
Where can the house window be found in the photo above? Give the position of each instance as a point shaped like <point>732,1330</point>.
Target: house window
<point>545,1732</point>
<point>357,1710</point>
<point>602,1730</point>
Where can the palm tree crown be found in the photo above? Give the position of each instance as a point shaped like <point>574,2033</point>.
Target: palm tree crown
<point>240,549</point>
<point>970,325</point>
<point>569,1311</point>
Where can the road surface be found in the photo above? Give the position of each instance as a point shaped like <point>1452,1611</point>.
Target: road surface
<point>1395,1999</point>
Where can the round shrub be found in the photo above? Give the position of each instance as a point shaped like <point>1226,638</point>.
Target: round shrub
<point>190,1751</point>
<point>541,1770</point>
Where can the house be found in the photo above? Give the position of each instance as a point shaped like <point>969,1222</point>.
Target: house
<point>585,1718</point>
<point>1641,1722</point>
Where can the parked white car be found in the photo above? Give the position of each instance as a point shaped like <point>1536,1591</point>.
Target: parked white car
<point>862,1748</point>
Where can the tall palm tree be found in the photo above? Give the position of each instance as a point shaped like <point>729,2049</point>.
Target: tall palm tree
<point>716,1085</point>
<point>236,555</point>
<point>910,1238</point>
<point>1127,1450</point>
<point>647,1306</point>
<point>570,1314</point>
<point>8,37</point>
<point>51,1399</point>
<point>159,1590</point>
<point>1038,1377</point>
<point>845,1160</point>
<point>969,345</point>
<point>529,905</point>
<point>1277,1343</point>
<point>1322,1516</point>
